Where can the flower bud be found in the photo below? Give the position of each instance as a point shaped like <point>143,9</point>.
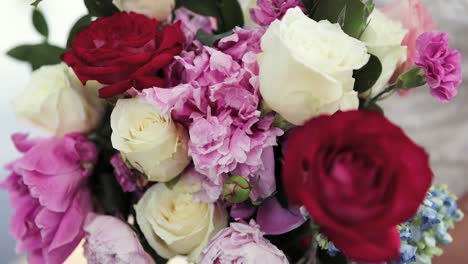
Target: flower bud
<point>412,78</point>
<point>236,189</point>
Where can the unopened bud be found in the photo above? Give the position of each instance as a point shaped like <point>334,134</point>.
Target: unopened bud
<point>413,78</point>
<point>236,189</point>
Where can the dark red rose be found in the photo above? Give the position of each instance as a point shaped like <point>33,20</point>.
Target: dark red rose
<point>359,176</point>
<point>124,50</point>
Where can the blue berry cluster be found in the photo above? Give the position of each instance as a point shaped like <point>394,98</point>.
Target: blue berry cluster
<point>422,235</point>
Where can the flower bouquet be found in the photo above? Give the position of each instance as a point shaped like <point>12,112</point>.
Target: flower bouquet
<point>231,132</point>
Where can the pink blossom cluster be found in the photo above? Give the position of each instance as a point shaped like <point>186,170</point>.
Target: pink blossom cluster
<point>216,95</point>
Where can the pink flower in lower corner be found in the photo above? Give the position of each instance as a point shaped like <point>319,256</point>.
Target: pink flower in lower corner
<point>48,194</point>
<point>417,20</point>
<point>109,240</point>
<point>441,64</point>
<point>241,243</point>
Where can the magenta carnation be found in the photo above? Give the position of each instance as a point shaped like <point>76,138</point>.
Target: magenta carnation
<point>269,10</point>
<point>124,175</point>
<point>109,240</point>
<point>217,99</point>
<point>441,64</point>
<point>241,243</point>
<point>48,195</point>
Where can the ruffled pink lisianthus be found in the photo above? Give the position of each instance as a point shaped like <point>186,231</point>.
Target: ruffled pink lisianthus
<point>216,95</point>
<point>417,20</point>
<point>48,195</point>
<point>241,243</point>
<point>109,240</point>
<point>270,10</point>
<point>441,64</point>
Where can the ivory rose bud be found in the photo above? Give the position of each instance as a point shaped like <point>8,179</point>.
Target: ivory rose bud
<point>174,223</point>
<point>306,68</point>
<point>55,100</point>
<point>383,38</point>
<point>149,140</point>
<point>159,9</point>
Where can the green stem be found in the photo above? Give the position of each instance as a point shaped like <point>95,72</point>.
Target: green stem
<point>374,99</point>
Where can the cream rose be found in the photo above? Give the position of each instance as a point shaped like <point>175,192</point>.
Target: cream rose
<point>55,100</point>
<point>383,38</point>
<point>306,68</point>
<point>150,141</point>
<point>159,9</point>
<point>174,223</point>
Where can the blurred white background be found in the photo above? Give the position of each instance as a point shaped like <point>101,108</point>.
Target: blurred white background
<point>441,128</point>
<point>16,28</point>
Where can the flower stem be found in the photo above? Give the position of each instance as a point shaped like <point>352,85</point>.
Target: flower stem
<point>374,99</point>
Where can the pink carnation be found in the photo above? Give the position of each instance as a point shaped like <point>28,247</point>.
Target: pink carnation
<point>441,64</point>
<point>241,243</point>
<point>217,97</point>
<point>270,10</point>
<point>47,188</point>
<point>417,20</point>
<point>109,240</point>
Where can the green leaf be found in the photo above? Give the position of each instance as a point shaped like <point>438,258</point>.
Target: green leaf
<point>228,13</point>
<point>100,8</point>
<point>357,15</point>
<point>36,3</point>
<point>368,75</point>
<point>37,55</point>
<point>40,23</point>
<point>352,15</point>
<point>309,4</point>
<point>172,183</point>
<point>79,25</point>
<point>210,39</point>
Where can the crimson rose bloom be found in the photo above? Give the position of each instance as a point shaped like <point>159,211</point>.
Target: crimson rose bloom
<point>124,50</point>
<point>359,176</point>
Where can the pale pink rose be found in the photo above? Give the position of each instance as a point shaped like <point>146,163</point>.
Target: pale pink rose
<point>417,19</point>
<point>109,240</point>
<point>241,243</point>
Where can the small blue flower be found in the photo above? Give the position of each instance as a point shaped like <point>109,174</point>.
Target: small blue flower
<point>429,218</point>
<point>408,253</point>
<point>332,250</point>
<point>405,234</point>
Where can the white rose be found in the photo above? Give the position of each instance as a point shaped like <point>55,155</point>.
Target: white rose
<point>306,68</point>
<point>159,9</point>
<point>174,223</point>
<point>383,38</point>
<point>150,141</point>
<point>56,101</point>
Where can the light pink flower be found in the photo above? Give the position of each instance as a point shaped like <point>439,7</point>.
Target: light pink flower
<point>47,188</point>
<point>109,240</point>
<point>417,20</point>
<point>216,95</point>
<point>441,64</point>
<point>241,243</point>
<point>270,10</point>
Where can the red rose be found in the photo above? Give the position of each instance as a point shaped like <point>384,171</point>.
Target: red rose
<point>124,50</point>
<point>359,176</point>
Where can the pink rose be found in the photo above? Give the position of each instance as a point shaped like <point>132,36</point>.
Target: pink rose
<point>48,195</point>
<point>414,17</point>
<point>109,240</point>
